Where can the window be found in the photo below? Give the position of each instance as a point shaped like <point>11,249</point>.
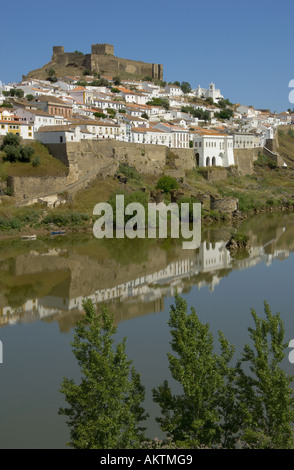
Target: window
<point>30,134</point>
<point>2,126</point>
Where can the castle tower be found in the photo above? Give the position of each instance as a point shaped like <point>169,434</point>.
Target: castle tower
<point>57,50</point>
<point>102,49</point>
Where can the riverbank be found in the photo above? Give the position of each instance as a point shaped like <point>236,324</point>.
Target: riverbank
<point>267,190</point>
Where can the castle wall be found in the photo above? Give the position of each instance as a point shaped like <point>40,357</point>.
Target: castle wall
<point>115,66</point>
<point>102,60</point>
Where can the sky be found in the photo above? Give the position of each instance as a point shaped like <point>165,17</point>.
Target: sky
<point>245,48</point>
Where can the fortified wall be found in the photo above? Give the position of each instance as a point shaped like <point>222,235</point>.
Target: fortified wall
<point>102,60</point>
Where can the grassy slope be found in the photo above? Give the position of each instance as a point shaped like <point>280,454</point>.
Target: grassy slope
<point>49,166</point>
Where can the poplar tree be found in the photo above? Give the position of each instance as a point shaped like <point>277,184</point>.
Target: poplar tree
<point>265,392</point>
<point>105,409</point>
<point>205,412</point>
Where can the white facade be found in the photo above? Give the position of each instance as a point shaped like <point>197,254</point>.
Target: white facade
<point>38,118</point>
<point>205,93</point>
<point>173,90</point>
<point>213,149</point>
<point>246,140</point>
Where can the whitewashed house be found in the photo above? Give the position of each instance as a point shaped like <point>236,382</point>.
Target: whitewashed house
<point>212,148</point>
<point>173,90</point>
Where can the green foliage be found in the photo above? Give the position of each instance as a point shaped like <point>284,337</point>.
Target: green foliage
<point>87,72</point>
<point>30,97</point>
<point>105,409</point>
<point>198,113</point>
<point>186,87</point>
<point>14,151</point>
<point>100,115</point>
<point>291,133</point>
<point>78,53</point>
<point>26,151</point>
<point>205,412</point>
<point>144,116</point>
<point>167,183</point>
<point>116,80</point>
<point>226,114</point>
<point>222,103</point>
<point>209,100</point>
<point>129,171</point>
<point>265,394</point>
<point>51,72</point>
<point>10,139</point>
<point>163,102</point>
<point>114,90</point>
<point>62,218</point>
<point>6,104</point>
<point>36,161</point>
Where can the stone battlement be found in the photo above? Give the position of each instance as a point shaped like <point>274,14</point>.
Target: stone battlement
<point>102,60</point>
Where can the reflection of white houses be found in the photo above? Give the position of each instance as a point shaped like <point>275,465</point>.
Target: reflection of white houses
<point>211,258</point>
<point>212,148</point>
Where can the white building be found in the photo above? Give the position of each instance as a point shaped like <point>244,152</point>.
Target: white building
<point>205,93</point>
<point>173,90</point>
<point>212,148</point>
<point>246,140</point>
<point>180,134</point>
<point>11,124</point>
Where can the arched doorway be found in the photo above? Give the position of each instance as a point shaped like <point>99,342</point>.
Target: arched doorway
<point>207,161</point>
<point>213,161</point>
<point>197,158</point>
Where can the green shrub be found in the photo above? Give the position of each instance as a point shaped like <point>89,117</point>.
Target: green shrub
<point>167,183</point>
<point>36,161</point>
<point>128,171</point>
<point>65,218</point>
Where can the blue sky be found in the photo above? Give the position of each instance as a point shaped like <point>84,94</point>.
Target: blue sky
<point>245,48</point>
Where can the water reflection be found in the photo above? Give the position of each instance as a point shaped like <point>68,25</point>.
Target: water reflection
<point>48,279</point>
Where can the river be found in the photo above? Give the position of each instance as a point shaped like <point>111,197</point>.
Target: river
<point>43,283</point>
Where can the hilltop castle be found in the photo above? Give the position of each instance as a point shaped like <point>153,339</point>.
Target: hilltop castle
<point>102,60</point>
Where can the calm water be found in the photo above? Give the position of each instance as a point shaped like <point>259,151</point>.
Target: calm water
<point>43,282</point>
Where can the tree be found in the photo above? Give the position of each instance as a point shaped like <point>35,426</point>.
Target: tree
<point>186,87</point>
<point>163,102</point>
<point>10,139</point>
<point>105,408</point>
<point>209,100</point>
<point>14,151</point>
<point>51,72</point>
<point>116,80</point>
<point>26,151</point>
<point>226,113</point>
<point>167,183</point>
<point>205,413</point>
<point>30,97</point>
<point>265,393</point>
<point>19,93</point>
<point>144,116</point>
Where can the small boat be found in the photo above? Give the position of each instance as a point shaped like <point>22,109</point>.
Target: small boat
<point>58,232</point>
<point>28,237</point>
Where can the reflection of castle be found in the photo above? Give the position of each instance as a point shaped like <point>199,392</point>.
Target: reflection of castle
<point>202,268</point>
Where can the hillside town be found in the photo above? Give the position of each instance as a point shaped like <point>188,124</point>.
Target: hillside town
<point>148,111</point>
